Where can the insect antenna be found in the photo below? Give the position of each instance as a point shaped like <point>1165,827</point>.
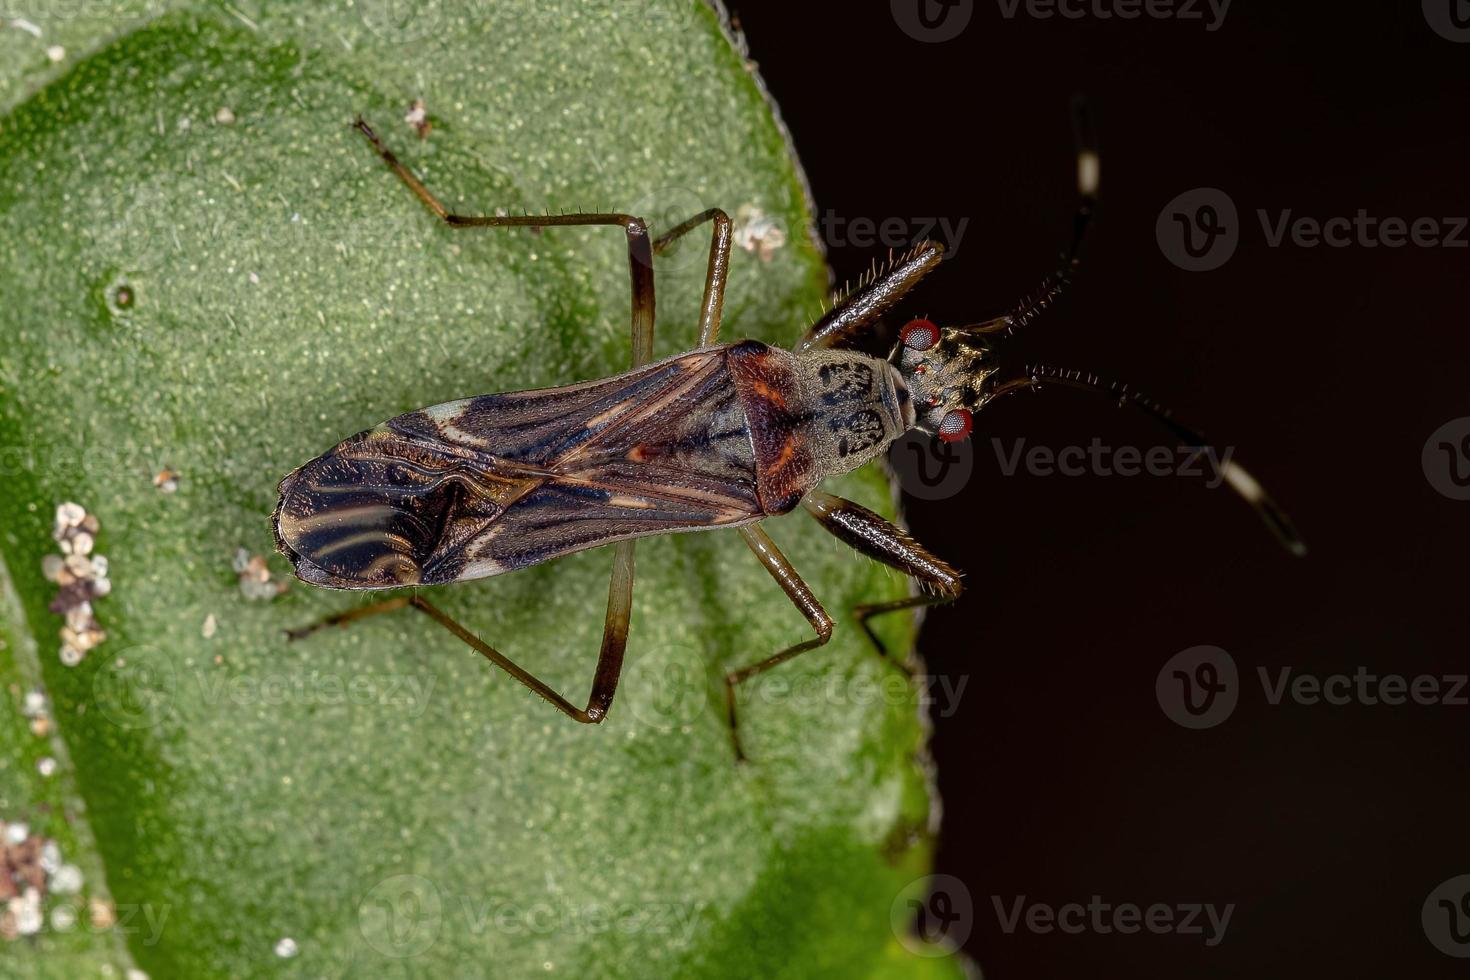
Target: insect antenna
<point>1088,176</point>
<point>1037,376</point>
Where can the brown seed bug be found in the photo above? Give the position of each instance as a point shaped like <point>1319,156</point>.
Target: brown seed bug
<point>724,435</point>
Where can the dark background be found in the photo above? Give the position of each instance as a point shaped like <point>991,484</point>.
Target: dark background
<point>1062,778</point>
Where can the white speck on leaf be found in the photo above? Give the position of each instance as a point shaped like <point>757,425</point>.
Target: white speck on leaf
<point>756,232</point>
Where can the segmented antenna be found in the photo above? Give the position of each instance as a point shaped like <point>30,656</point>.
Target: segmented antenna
<point>1037,376</point>
<point>1089,173</point>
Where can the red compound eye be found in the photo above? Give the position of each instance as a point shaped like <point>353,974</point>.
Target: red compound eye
<point>919,335</point>
<point>956,425</point>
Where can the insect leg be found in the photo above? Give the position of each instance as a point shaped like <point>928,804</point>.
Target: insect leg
<point>717,273</point>
<point>883,541</point>
<point>344,618</point>
<point>640,248</point>
<point>609,662</point>
<point>786,576</point>
<point>857,311</point>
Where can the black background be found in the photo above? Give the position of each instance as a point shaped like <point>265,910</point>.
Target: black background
<point>1326,826</point>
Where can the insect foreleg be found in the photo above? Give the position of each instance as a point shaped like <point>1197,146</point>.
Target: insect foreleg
<point>883,541</point>
<point>801,596</point>
<point>845,323</point>
<point>715,275</point>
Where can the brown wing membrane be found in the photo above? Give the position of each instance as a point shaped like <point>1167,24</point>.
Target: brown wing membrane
<point>486,485</point>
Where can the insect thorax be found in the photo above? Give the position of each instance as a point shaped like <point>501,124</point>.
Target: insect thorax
<point>856,405</point>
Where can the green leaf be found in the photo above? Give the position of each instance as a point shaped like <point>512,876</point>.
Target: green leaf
<point>204,269</point>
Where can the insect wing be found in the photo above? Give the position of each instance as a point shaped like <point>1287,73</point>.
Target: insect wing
<point>489,484</point>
